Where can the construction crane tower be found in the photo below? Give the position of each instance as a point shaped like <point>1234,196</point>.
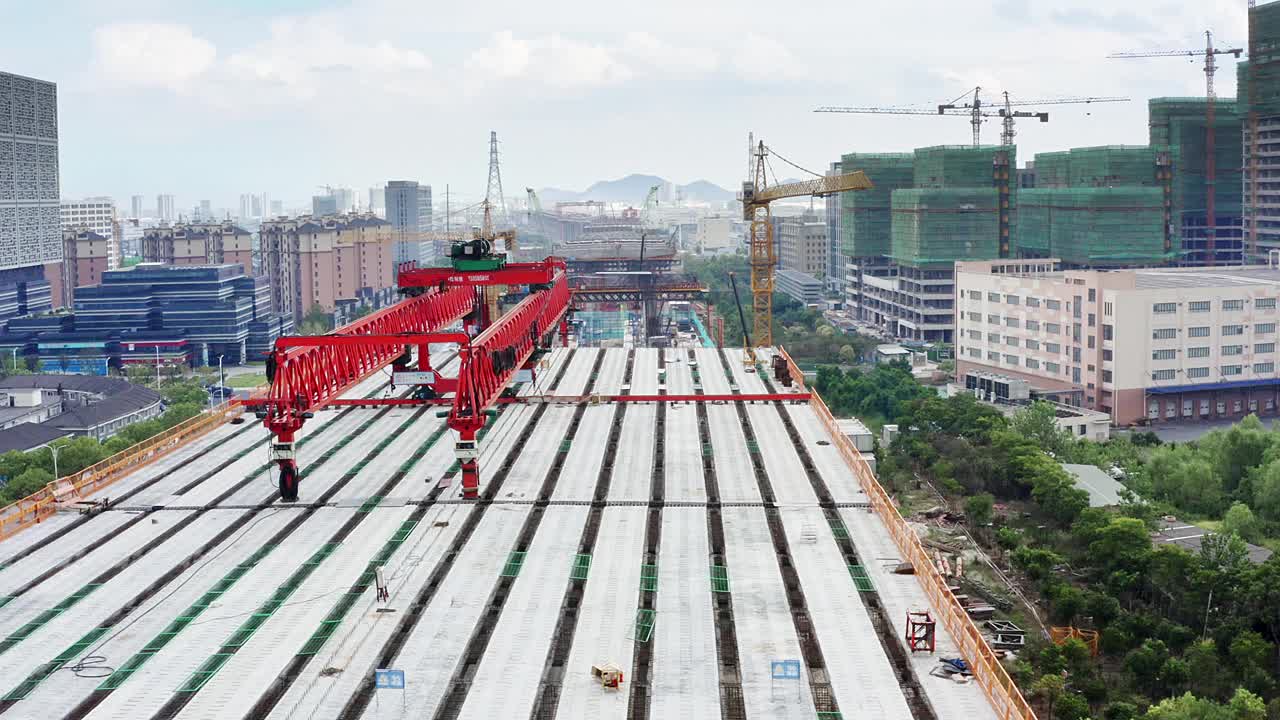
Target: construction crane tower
<point>1210,54</point>
<point>756,196</point>
<point>976,110</point>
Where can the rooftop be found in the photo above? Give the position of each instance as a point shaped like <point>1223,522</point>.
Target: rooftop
<point>1206,277</point>
<point>694,554</point>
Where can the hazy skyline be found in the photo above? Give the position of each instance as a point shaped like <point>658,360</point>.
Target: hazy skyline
<point>211,100</point>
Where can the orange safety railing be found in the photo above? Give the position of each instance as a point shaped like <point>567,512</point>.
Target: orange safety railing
<point>1005,697</point>
<point>44,502</point>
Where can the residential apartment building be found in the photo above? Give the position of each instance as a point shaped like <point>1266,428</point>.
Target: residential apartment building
<point>1148,345</point>
<point>715,235</point>
<point>86,255</point>
<point>409,212</point>
<point>804,245</point>
<point>165,208</point>
<point>30,227</point>
<point>326,261</point>
<point>213,243</point>
<point>135,207</point>
<point>97,214</point>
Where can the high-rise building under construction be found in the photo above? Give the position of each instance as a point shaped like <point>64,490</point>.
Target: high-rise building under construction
<point>1258,87</point>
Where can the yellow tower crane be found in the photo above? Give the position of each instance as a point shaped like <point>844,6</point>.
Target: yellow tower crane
<point>756,196</point>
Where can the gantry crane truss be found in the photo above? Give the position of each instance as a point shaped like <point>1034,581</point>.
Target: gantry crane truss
<point>309,373</point>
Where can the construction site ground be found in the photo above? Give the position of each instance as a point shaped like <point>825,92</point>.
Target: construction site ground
<point>686,543</point>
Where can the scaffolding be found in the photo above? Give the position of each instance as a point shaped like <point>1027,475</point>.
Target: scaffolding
<point>1178,127</point>
<point>951,166</point>
<point>938,226</point>
<point>865,221</point>
<point>1264,48</point>
<point>1094,225</point>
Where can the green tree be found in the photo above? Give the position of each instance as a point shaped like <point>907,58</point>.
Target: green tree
<point>318,322</point>
<point>1048,689</point>
<point>28,482</point>
<point>1039,422</point>
<point>1204,664</point>
<point>1190,480</point>
<point>1188,707</point>
<point>1240,520</point>
<point>1145,664</point>
<point>1124,544</point>
<point>979,508</point>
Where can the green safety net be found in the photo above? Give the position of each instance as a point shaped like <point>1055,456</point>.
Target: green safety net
<point>1093,225</point>
<point>865,215</point>
<point>940,226</point>
<point>1178,127</point>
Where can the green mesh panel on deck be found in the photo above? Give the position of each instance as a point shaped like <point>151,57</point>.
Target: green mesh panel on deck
<point>1178,124</point>
<point>865,218</point>
<point>1093,225</point>
<point>644,625</point>
<point>649,578</point>
<point>581,567</point>
<point>941,226</point>
<point>719,579</point>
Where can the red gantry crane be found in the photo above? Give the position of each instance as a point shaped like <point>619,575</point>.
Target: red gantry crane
<point>1210,54</point>
<point>309,373</point>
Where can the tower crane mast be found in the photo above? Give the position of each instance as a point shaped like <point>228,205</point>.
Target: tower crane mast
<point>1210,54</point>
<point>756,196</point>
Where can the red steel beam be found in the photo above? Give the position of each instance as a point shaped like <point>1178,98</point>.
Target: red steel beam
<point>307,373</point>
<point>491,360</point>
<point>532,399</point>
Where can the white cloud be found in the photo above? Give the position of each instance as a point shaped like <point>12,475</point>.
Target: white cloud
<point>303,55</point>
<point>550,60</point>
<point>761,57</point>
<point>151,55</point>
<point>655,53</point>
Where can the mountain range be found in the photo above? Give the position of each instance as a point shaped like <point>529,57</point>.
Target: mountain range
<point>633,189</point>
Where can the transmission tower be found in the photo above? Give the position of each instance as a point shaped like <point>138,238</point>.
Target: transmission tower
<point>494,192</point>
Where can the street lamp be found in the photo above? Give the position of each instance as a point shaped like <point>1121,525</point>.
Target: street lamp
<point>54,450</point>
<point>222,381</point>
<point>157,368</point>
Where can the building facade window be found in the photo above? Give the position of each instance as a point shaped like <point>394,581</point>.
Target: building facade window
<point>975,317</point>
<point>1033,363</point>
<point>1164,374</point>
<point>1264,304</point>
<point>1229,370</point>
<point>1033,344</point>
<point>1053,304</point>
<point>1164,354</point>
<point>1163,308</point>
<point>1198,372</point>
<point>1011,322</point>
<point>1011,341</point>
<point>1052,328</point>
<point>1232,330</point>
<point>1011,359</point>
<point>1033,301</point>
<point>993,296</point>
<point>1164,333</point>
<point>975,295</point>
<point>1264,329</point>
<point>1232,349</point>
<point>1264,368</point>
<point>1012,299</point>
<point>993,356</point>
<point>1054,348</point>
<point>1033,325</point>
<point>1106,376</point>
<point>1198,352</point>
<point>993,319</point>
<point>1233,304</point>
<point>1198,331</point>
<point>1263,348</point>
<point>1108,332</point>
<point>1199,306</point>
<point>1053,367</point>
<point>993,337</point>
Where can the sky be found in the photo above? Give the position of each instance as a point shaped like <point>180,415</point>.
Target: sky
<point>208,100</point>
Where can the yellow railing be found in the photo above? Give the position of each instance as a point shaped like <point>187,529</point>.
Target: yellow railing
<point>1005,697</point>
<point>44,502</point>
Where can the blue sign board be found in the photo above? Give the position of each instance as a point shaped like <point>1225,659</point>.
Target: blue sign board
<point>388,679</point>
<point>785,669</point>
